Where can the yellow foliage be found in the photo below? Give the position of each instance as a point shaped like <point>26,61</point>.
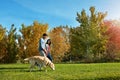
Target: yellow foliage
<point>59,43</point>
<point>31,35</point>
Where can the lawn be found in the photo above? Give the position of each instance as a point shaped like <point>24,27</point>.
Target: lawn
<point>98,71</point>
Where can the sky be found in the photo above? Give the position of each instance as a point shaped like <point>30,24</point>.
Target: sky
<point>52,12</point>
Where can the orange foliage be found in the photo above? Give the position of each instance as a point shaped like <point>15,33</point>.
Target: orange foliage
<point>113,33</point>
<point>59,43</point>
<point>31,35</point>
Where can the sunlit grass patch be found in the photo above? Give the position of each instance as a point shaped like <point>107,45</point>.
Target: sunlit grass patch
<point>99,71</point>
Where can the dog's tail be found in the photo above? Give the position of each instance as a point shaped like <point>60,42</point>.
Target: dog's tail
<point>26,59</point>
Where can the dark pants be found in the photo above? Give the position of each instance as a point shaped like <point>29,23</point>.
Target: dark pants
<point>49,57</point>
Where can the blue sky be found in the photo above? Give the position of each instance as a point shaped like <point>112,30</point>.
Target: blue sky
<point>53,12</point>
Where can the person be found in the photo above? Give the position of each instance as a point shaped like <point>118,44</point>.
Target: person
<point>42,43</point>
<point>48,43</point>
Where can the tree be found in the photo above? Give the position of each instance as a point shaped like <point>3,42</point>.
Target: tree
<point>2,43</point>
<point>87,40</point>
<point>113,45</point>
<point>28,43</point>
<point>60,42</point>
<point>2,32</point>
<point>9,46</point>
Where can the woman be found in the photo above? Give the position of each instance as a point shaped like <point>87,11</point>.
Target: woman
<point>48,43</point>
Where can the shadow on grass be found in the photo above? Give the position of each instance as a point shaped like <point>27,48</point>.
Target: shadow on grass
<point>109,78</point>
<point>18,69</point>
<point>12,68</point>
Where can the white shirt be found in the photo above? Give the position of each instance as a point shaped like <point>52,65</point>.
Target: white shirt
<point>43,43</point>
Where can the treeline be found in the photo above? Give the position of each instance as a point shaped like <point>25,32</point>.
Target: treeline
<point>94,40</point>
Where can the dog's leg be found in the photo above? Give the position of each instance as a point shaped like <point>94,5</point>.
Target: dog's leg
<point>45,67</point>
<point>40,66</point>
<point>32,65</point>
<point>31,68</point>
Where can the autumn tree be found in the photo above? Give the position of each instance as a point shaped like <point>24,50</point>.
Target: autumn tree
<point>60,42</point>
<point>28,43</point>
<point>87,40</point>
<point>8,46</point>
<point>2,32</point>
<point>2,43</point>
<point>12,49</point>
<point>113,45</point>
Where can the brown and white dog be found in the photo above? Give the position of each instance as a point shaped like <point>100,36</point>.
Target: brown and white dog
<point>40,61</point>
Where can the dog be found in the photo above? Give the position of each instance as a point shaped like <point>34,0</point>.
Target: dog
<point>40,61</point>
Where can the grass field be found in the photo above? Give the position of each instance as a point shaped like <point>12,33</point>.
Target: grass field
<point>99,71</point>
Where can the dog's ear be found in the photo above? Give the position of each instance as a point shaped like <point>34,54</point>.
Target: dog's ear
<point>45,60</point>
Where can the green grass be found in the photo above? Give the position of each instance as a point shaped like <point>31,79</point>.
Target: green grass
<point>99,71</point>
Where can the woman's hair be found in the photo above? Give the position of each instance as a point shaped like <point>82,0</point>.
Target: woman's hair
<point>48,42</point>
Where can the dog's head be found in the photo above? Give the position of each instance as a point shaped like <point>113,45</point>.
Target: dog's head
<point>49,63</point>
<point>52,66</point>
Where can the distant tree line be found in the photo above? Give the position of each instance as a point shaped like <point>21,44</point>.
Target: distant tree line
<point>94,40</point>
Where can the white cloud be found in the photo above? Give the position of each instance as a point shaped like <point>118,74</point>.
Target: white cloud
<point>51,8</point>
